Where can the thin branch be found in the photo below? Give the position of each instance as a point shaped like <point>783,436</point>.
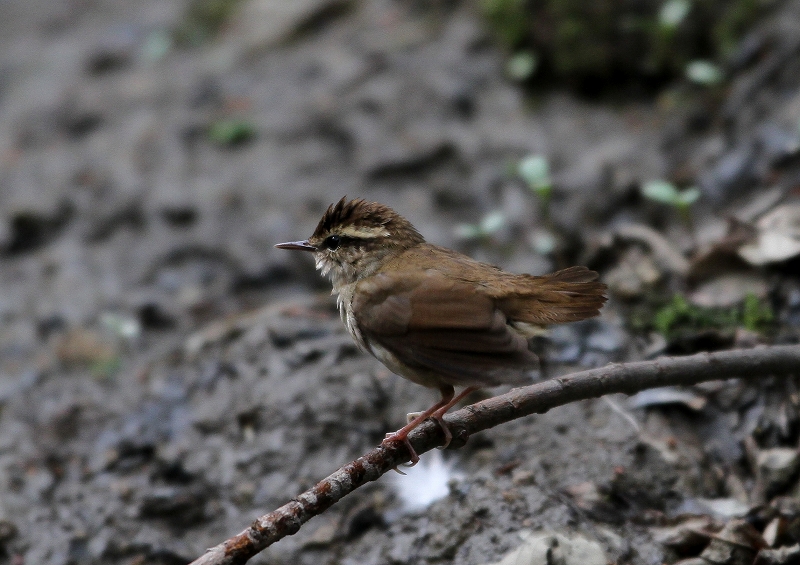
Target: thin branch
<point>628,378</point>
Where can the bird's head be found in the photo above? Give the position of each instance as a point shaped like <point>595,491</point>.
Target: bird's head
<point>354,238</point>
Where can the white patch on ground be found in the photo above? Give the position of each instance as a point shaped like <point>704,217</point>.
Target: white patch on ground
<point>426,482</point>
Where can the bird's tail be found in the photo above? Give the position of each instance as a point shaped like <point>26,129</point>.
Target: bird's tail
<point>565,296</point>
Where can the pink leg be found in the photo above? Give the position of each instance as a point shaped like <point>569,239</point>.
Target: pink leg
<point>448,436</point>
<point>402,434</point>
<point>436,412</point>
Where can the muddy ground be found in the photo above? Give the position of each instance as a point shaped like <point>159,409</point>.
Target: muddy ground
<point>166,376</point>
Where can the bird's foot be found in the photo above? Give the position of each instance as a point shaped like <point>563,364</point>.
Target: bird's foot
<point>403,438</point>
<point>448,435</point>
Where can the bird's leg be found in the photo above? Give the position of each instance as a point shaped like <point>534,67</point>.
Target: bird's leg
<point>438,414</point>
<point>402,434</point>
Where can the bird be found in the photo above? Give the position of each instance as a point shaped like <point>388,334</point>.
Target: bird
<point>434,315</point>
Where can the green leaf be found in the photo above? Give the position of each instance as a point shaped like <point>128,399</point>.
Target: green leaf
<point>704,73</point>
<point>660,191</point>
<point>688,197</point>
<point>535,171</point>
<point>673,12</point>
<point>755,315</point>
<point>522,65</point>
<point>544,243</point>
<point>468,231</point>
<point>492,222</point>
<point>231,132</point>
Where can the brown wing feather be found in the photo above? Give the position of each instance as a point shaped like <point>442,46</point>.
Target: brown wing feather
<point>443,326</point>
<point>568,295</point>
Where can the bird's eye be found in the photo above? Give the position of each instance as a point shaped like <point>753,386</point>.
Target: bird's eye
<point>332,242</point>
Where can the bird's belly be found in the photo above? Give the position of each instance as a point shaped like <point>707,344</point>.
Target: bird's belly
<point>424,378</point>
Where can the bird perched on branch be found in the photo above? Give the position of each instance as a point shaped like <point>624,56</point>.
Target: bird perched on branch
<point>433,315</point>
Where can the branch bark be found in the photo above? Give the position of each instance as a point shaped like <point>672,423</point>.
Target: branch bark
<point>628,378</point>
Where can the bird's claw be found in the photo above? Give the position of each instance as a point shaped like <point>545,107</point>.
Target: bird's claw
<point>404,440</point>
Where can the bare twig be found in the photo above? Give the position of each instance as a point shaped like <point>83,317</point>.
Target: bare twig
<point>628,378</point>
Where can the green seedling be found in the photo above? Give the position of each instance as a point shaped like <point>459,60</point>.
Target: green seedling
<point>598,47</point>
<point>756,316</point>
<point>673,12</point>
<point>679,316</point>
<point>704,73</point>
<point>535,171</point>
<point>667,193</point>
<point>231,132</point>
<point>510,19</point>
<point>106,368</point>
<point>121,326</point>
<point>489,224</point>
<point>522,65</point>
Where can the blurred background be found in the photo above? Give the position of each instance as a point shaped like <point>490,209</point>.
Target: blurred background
<point>166,375</point>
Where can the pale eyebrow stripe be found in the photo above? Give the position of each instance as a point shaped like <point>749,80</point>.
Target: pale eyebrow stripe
<point>364,233</point>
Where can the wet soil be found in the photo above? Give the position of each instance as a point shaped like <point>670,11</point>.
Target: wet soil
<point>166,376</point>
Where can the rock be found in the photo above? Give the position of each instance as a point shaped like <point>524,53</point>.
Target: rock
<point>633,275</point>
<point>544,548</point>
<point>777,468</point>
<point>778,237</point>
<point>728,290</point>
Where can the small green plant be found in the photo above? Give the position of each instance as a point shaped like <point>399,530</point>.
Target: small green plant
<point>535,171</point>
<point>667,193</point>
<point>756,316</point>
<point>106,368</point>
<point>231,132</point>
<point>522,65</point>
<point>510,19</point>
<point>679,316</point>
<point>599,46</point>
<point>704,73</point>
<point>489,224</point>
<point>672,13</point>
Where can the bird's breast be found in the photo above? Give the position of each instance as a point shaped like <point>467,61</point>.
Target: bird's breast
<point>344,301</point>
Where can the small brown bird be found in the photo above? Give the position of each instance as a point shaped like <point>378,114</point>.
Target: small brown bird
<point>433,315</point>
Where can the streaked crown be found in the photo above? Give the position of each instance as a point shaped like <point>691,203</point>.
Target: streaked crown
<point>355,237</point>
<point>362,223</point>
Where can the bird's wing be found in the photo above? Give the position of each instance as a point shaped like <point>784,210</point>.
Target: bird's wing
<point>441,325</point>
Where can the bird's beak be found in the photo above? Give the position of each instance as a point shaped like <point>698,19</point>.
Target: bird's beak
<point>299,245</point>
